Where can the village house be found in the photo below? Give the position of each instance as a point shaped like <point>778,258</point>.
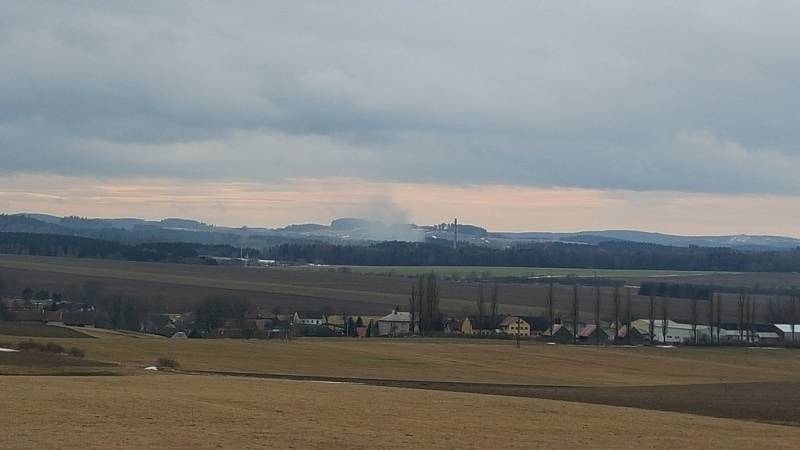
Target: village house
<point>479,326</point>
<point>592,334</point>
<point>677,333</point>
<point>790,334</point>
<point>560,334</point>
<point>398,323</point>
<point>630,337</point>
<point>309,318</point>
<point>452,326</point>
<point>514,325</point>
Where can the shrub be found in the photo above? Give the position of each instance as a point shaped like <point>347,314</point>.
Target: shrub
<point>77,352</point>
<point>167,362</point>
<point>30,345</point>
<point>53,348</point>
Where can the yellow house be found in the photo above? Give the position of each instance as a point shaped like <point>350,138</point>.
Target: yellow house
<point>472,325</point>
<point>515,325</point>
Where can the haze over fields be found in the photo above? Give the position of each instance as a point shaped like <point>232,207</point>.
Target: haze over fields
<point>677,118</point>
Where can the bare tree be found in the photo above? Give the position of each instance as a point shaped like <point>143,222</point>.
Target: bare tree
<point>629,317</point>
<point>694,321</point>
<point>495,299</point>
<point>652,328</point>
<point>616,299</point>
<point>753,320</point>
<point>575,312</point>
<point>740,316</point>
<point>597,314</point>
<point>719,315</point>
<point>793,315</point>
<point>413,307</point>
<point>420,304</point>
<point>481,302</point>
<point>550,306</point>
<point>664,318</point>
<point>711,315</point>
<point>431,302</point>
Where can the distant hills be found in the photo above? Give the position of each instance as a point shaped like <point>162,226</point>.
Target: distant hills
<point>354,231</point>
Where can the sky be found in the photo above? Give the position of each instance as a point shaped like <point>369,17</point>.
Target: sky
<point>676,117</point>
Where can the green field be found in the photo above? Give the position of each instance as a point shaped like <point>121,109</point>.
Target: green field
<point>493,272</point>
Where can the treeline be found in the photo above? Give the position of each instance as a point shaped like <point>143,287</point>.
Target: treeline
<point>606,255</point>
<point>81,247</point>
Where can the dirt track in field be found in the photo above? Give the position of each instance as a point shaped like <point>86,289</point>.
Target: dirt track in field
<point>768,402</point>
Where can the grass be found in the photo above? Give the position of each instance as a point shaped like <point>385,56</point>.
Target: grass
<point>171,411</point>
<point>40,363</point>
<point>536,405</point>
<point>38,330</point>
<point>495,272</point>
<point>451,360</point>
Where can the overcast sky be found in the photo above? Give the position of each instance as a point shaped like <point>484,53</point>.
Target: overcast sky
<point>648,105</point>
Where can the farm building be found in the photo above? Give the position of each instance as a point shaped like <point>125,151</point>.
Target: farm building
<point>591,334</point>
<point>677,333</point>
<point>398,323</point>
<point>514,325</point>
<point>309,318</point>
<point>634,337</point>
<point>452,326</point>
<point>790,334</point>
<point>560,334</point>
<point>479,326</point>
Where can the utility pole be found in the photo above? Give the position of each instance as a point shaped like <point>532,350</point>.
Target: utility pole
<point>519,323</point>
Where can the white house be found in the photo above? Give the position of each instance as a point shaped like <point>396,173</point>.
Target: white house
<point>395,324</point>
<point>677,333</point>
<point>309,319</point>
<point>791,334</point>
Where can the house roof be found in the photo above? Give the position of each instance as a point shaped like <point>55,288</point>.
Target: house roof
<point>587,331</point>
<point>310,315</point>
<point>787,328</point>
<point>767,335</point>
<point>396,316</point>
<point>486,322</point>
<point>510,320</point>
<point>556,329</point>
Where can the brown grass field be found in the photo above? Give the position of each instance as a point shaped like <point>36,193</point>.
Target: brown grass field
<point>412,393</point>
<point>442,393</point>
<point>179,287</point>
<point>177,411</point>
<point>38,330</point>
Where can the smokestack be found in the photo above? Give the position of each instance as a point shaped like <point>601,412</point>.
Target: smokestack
<point>455,232</point>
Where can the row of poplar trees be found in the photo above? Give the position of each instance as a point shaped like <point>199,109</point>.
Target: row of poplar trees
<point>423,304</point>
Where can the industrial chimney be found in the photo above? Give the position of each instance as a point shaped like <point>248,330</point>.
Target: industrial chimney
<point>455,232</point>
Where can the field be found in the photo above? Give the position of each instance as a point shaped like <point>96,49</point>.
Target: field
<point>178,411</point>
<point>36,330</point>
<point>396,393</point>
<point>180,287</point>
<point>474,271</point>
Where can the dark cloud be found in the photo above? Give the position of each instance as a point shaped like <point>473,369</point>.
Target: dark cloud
<point>621,95</point>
